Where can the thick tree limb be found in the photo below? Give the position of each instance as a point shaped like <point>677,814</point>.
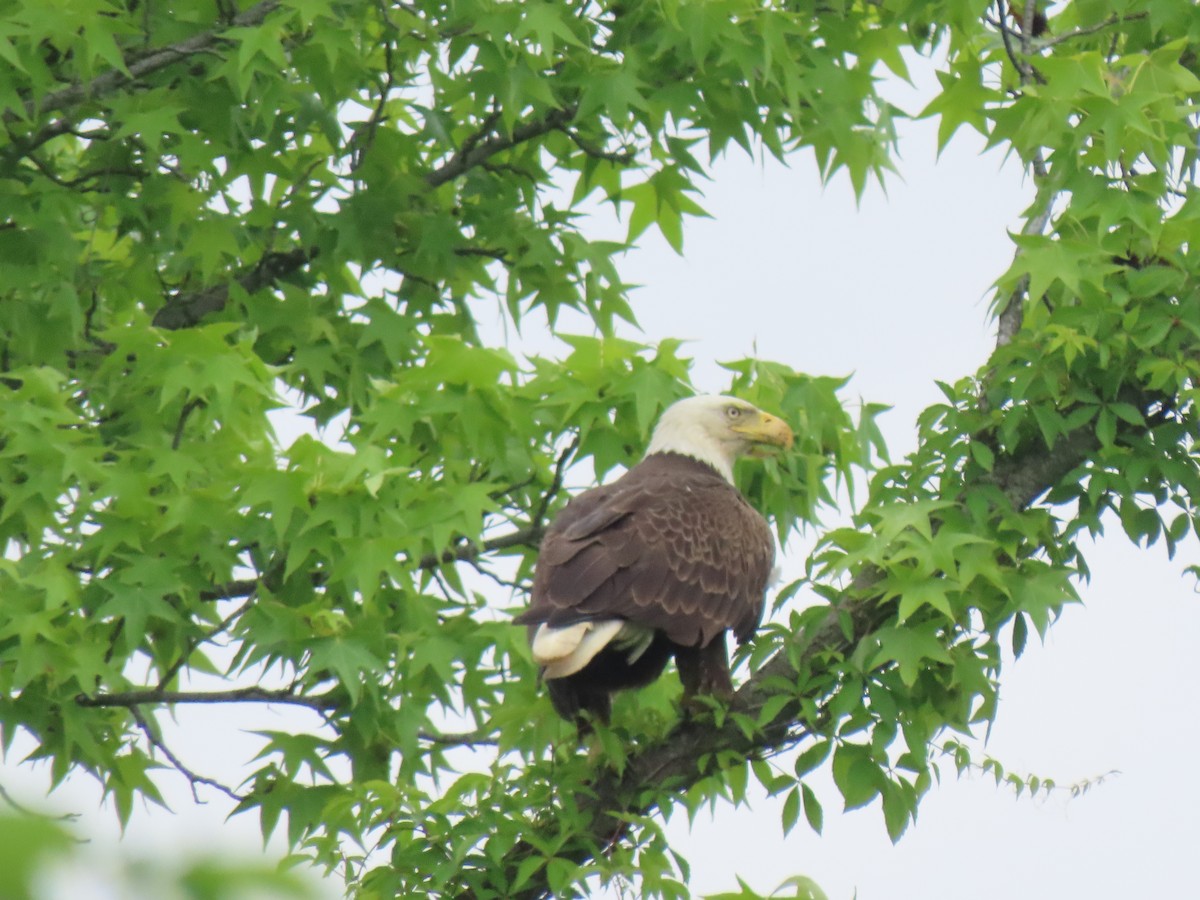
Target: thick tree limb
<point>187,309</point>
<point>1011,313</point>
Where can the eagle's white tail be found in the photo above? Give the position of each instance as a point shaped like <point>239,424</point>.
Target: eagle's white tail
<point>564,651</point>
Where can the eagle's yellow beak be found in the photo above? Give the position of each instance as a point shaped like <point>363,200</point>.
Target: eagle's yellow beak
<point>766,429</point>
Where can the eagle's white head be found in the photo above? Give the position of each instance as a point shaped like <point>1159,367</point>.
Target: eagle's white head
<point>717,430</point>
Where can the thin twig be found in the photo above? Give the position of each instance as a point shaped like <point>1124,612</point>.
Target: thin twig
<point>1011,313</point>
<point>191,776</point>
<point>619,157</point>
<point>364,138</point>
<point>188,408</point>
<point>468,551</point>
<point>192,645</point>
<point>514,586</point>
<point>1093,29</point>
<point>231,590</point>
<point>1001,23</point>
<point>464,552</point>
<point>467,739</point>
<point>153,696</point>
<point>560,469</point>
<point>26,811</point>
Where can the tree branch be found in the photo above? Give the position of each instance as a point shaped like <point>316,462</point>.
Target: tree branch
<point>192,777</point>
<point>33,813</point>
<point>143,63</point>
<point>480,149</point>
<point>467,739</point>
<point>224,624</point>
<point>186,310</point>
<point>616,157</point>
<point>1093,29</point>
<point>1011,314</point>
<point>154,696</point>
<point>231,590</point>
<point>188,408</point>
<point>467,552</point>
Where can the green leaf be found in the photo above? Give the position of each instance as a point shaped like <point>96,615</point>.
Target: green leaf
<point>909,648</point>
<point>804,888</point>
<point>916,593</point>
<point>812,809</point>
<point>856,774</point>
<point>812,757</point>
<point>1020,635</point>
<point>27,845</point>
<point>983,455</point>
<point>791,810</point>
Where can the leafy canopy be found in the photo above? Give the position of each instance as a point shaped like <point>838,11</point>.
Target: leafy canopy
<point>213,214</point>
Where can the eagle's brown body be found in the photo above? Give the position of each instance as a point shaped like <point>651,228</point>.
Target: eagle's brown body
<point>671,546</point>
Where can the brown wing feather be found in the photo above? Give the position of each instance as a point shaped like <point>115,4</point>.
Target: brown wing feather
<point>670,545</point>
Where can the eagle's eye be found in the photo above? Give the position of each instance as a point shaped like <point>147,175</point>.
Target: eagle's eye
<point>733,412</point>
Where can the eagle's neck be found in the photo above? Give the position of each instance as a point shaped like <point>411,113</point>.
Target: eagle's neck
<point>693,441</point>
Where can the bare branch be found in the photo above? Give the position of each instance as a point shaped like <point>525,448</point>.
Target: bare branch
<point>468,551</point>
<point>529,536</point>
<point>33,813</point>
<point>620,157</point>
<point>1006,35</point>
<point>364,136</point>
<point>560,469</point>
<point>1093,29</point>
<point>489,252</point>
<point>514,586</point>
<point>1012,314</point>
<point>192,777</point>
<point>185,310</point>
<point>467,739</point>
<point>1028,23</point>
<point>154,696</point>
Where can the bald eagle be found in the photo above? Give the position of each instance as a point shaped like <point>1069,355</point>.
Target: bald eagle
<point>658,564</point>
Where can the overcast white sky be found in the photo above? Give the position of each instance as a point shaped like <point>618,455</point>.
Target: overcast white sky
<point>894,291</point>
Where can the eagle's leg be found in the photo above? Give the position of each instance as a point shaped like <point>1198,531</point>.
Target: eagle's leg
<point>579,704</point>
<point>705,670</point>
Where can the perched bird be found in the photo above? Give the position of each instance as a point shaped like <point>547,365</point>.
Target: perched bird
<point>660,563</point>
